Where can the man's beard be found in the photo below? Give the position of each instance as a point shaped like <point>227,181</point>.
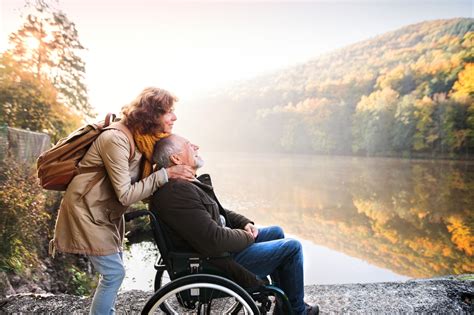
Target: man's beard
<point>198,162</point>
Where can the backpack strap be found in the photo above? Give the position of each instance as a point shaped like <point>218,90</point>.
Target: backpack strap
<point>109,119</point>
<point>101,173</point>
<point>94,180</point>
<point>119,126</point>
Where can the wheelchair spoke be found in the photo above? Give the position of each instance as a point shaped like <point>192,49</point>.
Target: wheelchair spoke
<point>203,309</point>
<point>234,309</point>
<point>201,294</point>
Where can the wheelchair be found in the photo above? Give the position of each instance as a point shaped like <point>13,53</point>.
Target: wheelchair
<point>187,283</point>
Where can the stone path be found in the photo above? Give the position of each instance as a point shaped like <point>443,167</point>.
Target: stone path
<point>452,294</point>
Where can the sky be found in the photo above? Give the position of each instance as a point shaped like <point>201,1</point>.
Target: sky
<point>193,47</point>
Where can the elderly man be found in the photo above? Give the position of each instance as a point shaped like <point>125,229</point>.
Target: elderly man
<point>195,220</point>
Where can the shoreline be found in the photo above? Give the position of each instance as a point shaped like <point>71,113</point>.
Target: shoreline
<point>448,294</point>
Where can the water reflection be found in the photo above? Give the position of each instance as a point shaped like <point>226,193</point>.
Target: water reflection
<point>321,266</point>
<point>359,216</point>
<point>412,217</point>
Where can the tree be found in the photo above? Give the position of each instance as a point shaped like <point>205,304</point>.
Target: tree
<point>464,86</point>
<point>424,135</point>
<point>373,121</point>
<point>48,45</point>
<point>404,126</point>
<point>28,102</point>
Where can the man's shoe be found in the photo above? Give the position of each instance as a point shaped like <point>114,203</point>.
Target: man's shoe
<point>312,309</point>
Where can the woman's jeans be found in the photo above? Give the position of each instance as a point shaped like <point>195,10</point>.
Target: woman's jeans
<point>282,258</point>
<point>112,273</point>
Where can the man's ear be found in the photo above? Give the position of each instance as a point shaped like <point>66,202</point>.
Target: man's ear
<point>175,159</point>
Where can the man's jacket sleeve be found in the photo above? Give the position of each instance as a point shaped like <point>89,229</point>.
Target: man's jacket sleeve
<point>236,221</point>
<point>184,212</point>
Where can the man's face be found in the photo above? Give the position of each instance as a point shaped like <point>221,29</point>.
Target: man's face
<point>188,153</point>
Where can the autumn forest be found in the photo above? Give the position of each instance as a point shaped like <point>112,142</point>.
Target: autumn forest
<point>405,93</point>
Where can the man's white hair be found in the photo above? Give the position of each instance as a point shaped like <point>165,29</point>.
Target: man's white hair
<point>163,150</point>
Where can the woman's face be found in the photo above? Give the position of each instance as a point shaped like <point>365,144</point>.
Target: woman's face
<point>167,120</point>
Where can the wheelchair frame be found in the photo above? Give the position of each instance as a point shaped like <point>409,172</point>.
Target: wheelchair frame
<point>194,282</point>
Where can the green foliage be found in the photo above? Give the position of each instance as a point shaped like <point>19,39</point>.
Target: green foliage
<point>139,228</point>
<point>81,283</point>
<point>374,118</point>
<point>442,126</point>
<point>41,89</point>
<point>24,221</point>
<point>26,226</point>
<point>404,125</point>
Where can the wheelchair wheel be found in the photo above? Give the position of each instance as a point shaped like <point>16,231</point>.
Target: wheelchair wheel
<point>201,294</point>
<point>161,278</point>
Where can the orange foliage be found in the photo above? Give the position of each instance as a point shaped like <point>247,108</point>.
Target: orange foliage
<point>461,234</point>
<point>464,86</point>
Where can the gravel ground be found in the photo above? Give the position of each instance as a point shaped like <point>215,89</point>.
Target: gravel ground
<point>446,295</point>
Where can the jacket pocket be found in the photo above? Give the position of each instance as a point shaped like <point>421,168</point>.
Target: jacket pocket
<point>212,208</point>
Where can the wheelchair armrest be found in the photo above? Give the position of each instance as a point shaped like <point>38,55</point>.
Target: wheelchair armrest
<point>184,263</point>
<point>187,255</point>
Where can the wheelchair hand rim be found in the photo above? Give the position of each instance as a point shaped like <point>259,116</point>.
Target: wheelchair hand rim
<point>203,285</point>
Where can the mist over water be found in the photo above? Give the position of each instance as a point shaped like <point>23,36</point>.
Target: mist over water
<point>359,219</point>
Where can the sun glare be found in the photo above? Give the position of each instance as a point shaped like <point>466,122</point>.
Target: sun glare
<point>32,43</point>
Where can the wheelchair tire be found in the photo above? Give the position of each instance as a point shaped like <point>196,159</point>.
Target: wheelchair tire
<point>161,278</point>
<point>170,295</point>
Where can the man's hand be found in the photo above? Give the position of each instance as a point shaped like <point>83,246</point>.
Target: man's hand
<point>181,171</point>
<point>250,228</point>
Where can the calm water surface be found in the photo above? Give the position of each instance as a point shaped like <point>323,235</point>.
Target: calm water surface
<point>359,219</point>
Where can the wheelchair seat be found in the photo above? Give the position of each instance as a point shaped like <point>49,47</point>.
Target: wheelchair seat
<point>189,283</point>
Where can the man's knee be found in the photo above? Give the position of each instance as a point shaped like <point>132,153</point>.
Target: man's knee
<point>293,244</point>
<point>276,232</point>
<point>279,232</point>
<point>293,247</point>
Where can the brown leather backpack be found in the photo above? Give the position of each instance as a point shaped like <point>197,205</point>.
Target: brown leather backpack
<point>57,166</point>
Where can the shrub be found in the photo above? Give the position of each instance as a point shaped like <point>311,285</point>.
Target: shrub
<point>23,218</point>
<point>81,283</point>
<point>27,217</point>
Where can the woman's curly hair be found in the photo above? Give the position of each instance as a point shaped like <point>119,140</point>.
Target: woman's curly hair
<point>143,114</point>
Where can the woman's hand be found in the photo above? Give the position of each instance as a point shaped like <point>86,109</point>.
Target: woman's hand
<point>181,171</point>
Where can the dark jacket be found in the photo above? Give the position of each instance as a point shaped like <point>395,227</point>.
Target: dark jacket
<point>190,214</point>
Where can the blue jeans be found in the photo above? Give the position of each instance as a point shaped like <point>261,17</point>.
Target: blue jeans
<point>282,258</point>
<point>112,273</point>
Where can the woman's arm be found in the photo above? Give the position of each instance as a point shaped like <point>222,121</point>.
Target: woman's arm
<point>114,149</point>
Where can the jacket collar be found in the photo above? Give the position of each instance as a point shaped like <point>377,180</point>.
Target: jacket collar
<point>204,182</point>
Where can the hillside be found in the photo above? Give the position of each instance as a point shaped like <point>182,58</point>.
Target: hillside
<point>406,92</point>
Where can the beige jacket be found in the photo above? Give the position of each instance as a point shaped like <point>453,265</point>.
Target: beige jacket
<point>94,224</point>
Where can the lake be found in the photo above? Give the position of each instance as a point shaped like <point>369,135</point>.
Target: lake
<point>359,219</point>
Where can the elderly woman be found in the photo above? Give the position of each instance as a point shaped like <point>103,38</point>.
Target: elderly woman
<point>90,219</point>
